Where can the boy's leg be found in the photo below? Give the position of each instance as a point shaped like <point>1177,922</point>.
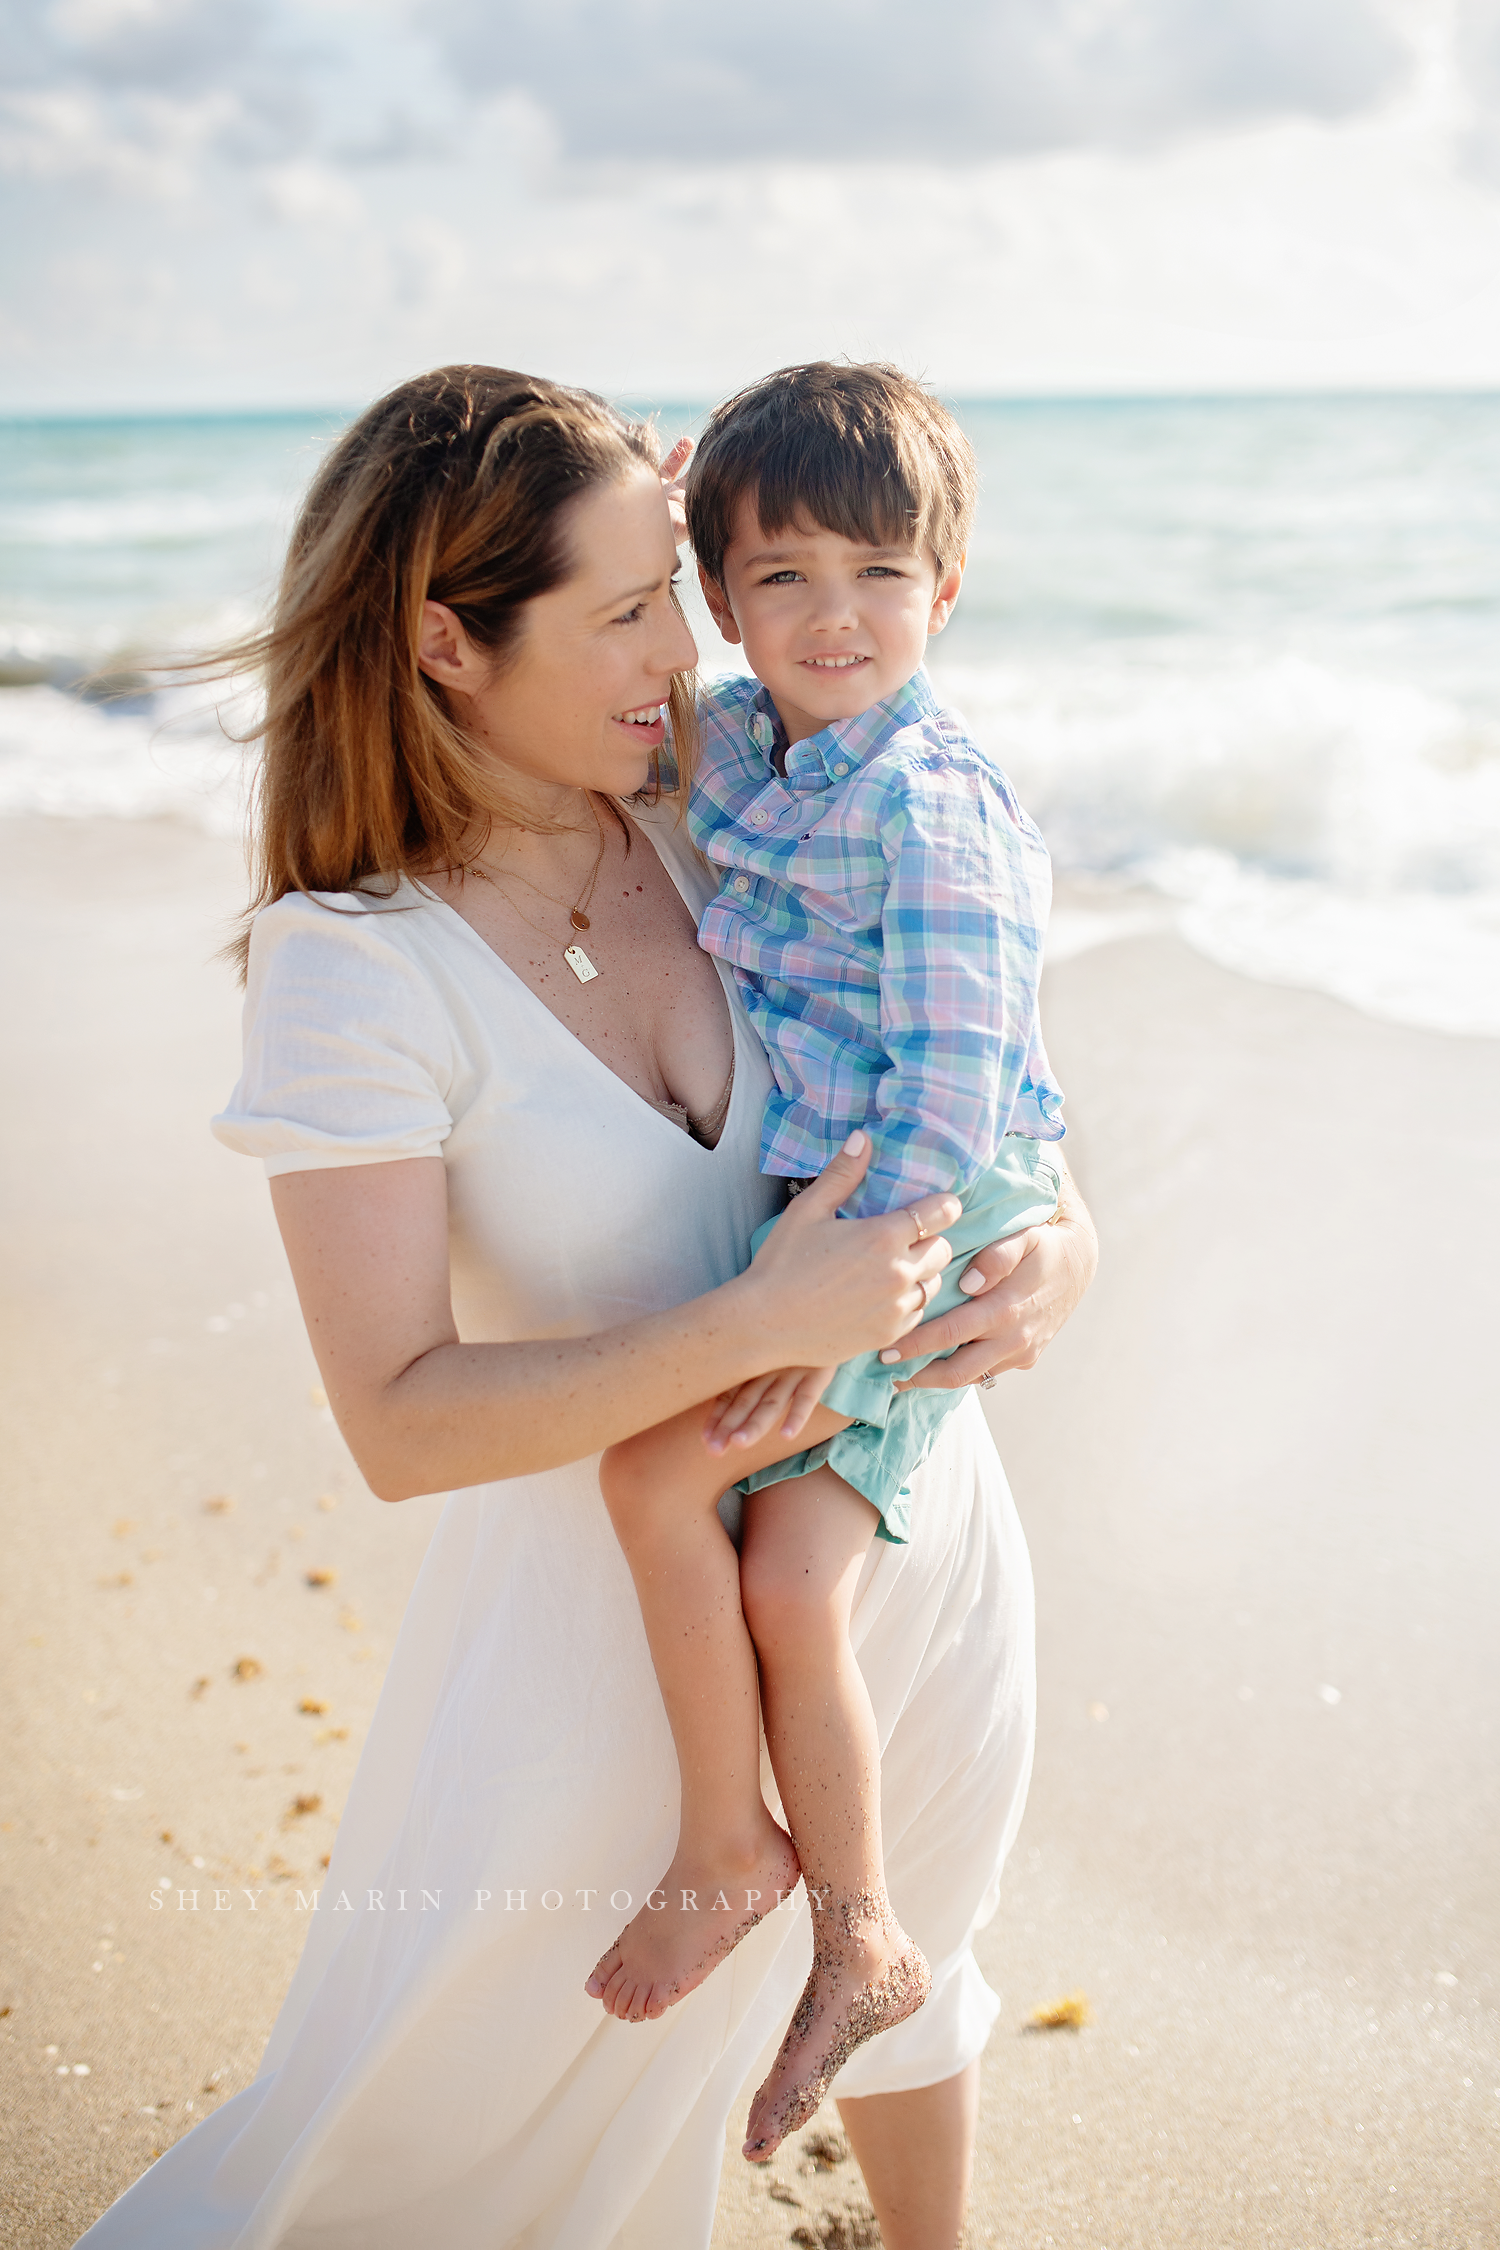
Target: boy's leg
<point>804,1544</point>
<point>732,1860</point>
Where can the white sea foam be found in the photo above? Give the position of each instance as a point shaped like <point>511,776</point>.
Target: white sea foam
<point>161,755</point>
<point>1411,957</point>
<point>1314,826</point>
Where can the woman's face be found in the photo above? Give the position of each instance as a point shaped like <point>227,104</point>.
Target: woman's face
<point>577,703</point>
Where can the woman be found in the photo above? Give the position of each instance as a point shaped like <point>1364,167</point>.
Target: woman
<point>516,1196</point>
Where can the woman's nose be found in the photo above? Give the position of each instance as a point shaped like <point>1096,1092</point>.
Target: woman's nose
<point>679,651</point>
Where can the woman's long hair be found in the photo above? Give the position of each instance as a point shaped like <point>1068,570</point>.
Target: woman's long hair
<point>449,489</point>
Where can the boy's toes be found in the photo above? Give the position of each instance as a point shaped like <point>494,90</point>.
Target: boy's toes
<point>601,1976</point>
<point>617,1992</point>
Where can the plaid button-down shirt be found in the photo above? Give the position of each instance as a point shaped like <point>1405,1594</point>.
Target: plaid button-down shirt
<point>883,906</point>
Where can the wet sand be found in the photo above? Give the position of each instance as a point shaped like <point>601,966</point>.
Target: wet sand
<point>1257,1476</point>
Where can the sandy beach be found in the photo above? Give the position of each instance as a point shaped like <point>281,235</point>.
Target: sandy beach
<point>1258,1480</point>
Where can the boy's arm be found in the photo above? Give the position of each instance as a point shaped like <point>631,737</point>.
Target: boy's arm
<point>962,925</point>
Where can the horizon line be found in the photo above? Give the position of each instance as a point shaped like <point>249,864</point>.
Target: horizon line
<point>1193,395</point>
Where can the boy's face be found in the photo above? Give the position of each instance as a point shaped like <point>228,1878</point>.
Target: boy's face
<point>829,626</point>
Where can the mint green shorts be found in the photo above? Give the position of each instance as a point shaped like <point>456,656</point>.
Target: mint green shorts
<point>891,1432</point>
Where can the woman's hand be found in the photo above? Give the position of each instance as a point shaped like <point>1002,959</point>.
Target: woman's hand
<point>671,480</point>
<point>1022,1291</point>
<point>828,1288</point>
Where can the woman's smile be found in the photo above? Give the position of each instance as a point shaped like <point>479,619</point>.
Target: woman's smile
<point>646,725</point>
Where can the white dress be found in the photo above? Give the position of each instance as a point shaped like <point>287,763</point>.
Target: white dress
<point>437,2074</point>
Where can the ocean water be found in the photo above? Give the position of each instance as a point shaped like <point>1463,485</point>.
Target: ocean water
<point>1241,657</point>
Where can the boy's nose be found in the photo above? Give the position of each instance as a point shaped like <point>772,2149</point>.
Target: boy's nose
<point>833,612</point>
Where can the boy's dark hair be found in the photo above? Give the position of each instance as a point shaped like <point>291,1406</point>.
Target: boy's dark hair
<point>861,450</point>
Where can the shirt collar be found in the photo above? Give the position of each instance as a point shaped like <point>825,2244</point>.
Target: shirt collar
<point>832,753</point>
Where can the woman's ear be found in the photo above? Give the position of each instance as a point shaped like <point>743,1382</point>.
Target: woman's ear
<point>946,595</point>
<point>718,608</point>
<point>445,652</point>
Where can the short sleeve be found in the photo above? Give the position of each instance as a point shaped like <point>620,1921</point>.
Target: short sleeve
<point>349,1051</point>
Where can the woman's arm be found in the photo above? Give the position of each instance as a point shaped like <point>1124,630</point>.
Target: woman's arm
<point>1031,1284</point>
<point>422,1412</point>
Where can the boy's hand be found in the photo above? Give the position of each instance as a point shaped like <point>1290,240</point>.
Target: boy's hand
<point>671,478</point>
<point>745,1416</point>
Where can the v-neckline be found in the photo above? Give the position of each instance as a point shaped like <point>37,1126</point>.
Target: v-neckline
<point>432,899</point>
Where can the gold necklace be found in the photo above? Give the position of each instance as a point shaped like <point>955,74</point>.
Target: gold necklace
<point>577,960</point>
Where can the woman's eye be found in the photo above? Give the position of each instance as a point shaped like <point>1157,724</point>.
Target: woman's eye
<point>632,615</point>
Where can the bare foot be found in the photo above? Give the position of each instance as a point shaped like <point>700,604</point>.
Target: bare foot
<point>866,1976</point>
<point>708,1901</point>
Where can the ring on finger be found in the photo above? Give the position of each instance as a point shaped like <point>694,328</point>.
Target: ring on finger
<point>986,1382</point>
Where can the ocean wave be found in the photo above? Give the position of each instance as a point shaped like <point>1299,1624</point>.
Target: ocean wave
<point>1292,766</point>
<point>136,520</point>
<point>1298,823</point>
<point>135,758</point>
<point>1310,825</point>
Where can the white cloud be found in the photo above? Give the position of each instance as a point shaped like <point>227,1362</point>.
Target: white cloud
<point>307,194</point>
<point>1229,194</point>
<point>429,263</point>
<point>72,135</point>
<point>634,80</point>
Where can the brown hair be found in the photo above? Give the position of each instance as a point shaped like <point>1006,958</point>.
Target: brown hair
<point>863,450</point>
<point>450,489</point>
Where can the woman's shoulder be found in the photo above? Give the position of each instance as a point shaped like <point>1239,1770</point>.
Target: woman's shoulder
<point>382,954</point>
<point>372,911</point>
<point>387,922</point>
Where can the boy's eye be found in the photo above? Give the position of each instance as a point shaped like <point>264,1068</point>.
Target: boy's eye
<point>782,578</point>
<point>880,570</point>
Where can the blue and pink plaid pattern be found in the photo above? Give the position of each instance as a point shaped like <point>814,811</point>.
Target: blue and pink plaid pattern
<point>883,907</point>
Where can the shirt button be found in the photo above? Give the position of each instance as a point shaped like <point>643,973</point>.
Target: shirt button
<point>841,769</point>
<point>742,882</point>
<point>760,818</point>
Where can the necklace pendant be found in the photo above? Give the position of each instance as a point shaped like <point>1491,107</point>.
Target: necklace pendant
<point>579,919</point>
<point>580,964</point>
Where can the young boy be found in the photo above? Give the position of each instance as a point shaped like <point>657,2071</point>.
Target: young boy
<point>883,901</point>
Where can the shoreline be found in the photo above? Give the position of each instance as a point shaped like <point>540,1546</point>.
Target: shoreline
<point>1258,1461</point>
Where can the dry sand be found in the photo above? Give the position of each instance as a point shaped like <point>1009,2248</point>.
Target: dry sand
<point>1258,1479</point>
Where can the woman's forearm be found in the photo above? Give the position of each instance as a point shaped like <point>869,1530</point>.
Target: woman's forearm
<point>422,1411</point>
<point>464,1414</point>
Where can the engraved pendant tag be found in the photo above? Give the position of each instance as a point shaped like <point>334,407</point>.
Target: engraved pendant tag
<point>580,964</point>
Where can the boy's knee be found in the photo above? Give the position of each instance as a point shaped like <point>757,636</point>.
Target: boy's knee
<point>627,1477</point>
<point>784,1605</point>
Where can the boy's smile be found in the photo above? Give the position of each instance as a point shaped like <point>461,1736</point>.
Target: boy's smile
<point>830,625</point>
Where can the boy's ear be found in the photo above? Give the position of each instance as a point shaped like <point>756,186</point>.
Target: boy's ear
<point>718,608</point>
<point>946,595</point>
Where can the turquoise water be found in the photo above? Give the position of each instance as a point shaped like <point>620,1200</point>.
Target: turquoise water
<point>1242,657</point>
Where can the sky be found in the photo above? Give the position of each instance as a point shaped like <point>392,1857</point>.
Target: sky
<point>299,202</point>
